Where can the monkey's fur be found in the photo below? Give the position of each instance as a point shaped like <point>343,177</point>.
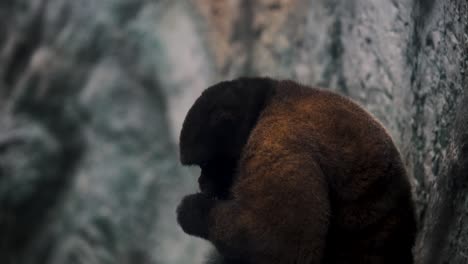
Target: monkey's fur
<point>293,174</point>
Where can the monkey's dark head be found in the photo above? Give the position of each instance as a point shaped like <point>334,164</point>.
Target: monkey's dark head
<point>217,127</point>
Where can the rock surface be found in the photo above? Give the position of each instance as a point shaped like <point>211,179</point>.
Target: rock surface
<point>93,94</point>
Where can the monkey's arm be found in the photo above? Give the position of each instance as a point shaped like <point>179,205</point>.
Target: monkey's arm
<point>279,217</point>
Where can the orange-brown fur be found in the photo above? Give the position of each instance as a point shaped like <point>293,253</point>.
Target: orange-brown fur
<point>319,180</point>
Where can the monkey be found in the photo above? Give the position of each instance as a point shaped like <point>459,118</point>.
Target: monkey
<point>294,174</point>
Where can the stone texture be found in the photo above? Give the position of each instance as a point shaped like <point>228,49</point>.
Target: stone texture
<point>93,94</point>
<point>90,104</point>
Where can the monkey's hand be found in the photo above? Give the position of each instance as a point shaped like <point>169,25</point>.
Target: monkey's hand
<point>193,214</point>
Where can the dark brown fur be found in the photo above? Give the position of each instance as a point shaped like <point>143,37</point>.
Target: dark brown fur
<point>300,175</point>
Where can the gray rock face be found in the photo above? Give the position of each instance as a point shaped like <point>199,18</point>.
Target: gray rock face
<point>93,94</point>
<point>88,159</point>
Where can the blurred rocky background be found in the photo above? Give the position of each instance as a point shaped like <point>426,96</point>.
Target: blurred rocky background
<point>93,94</point>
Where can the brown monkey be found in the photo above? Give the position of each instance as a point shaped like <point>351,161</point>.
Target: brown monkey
<point>293,174</point>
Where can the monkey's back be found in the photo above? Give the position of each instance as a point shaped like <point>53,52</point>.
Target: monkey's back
<point>372,215</point>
